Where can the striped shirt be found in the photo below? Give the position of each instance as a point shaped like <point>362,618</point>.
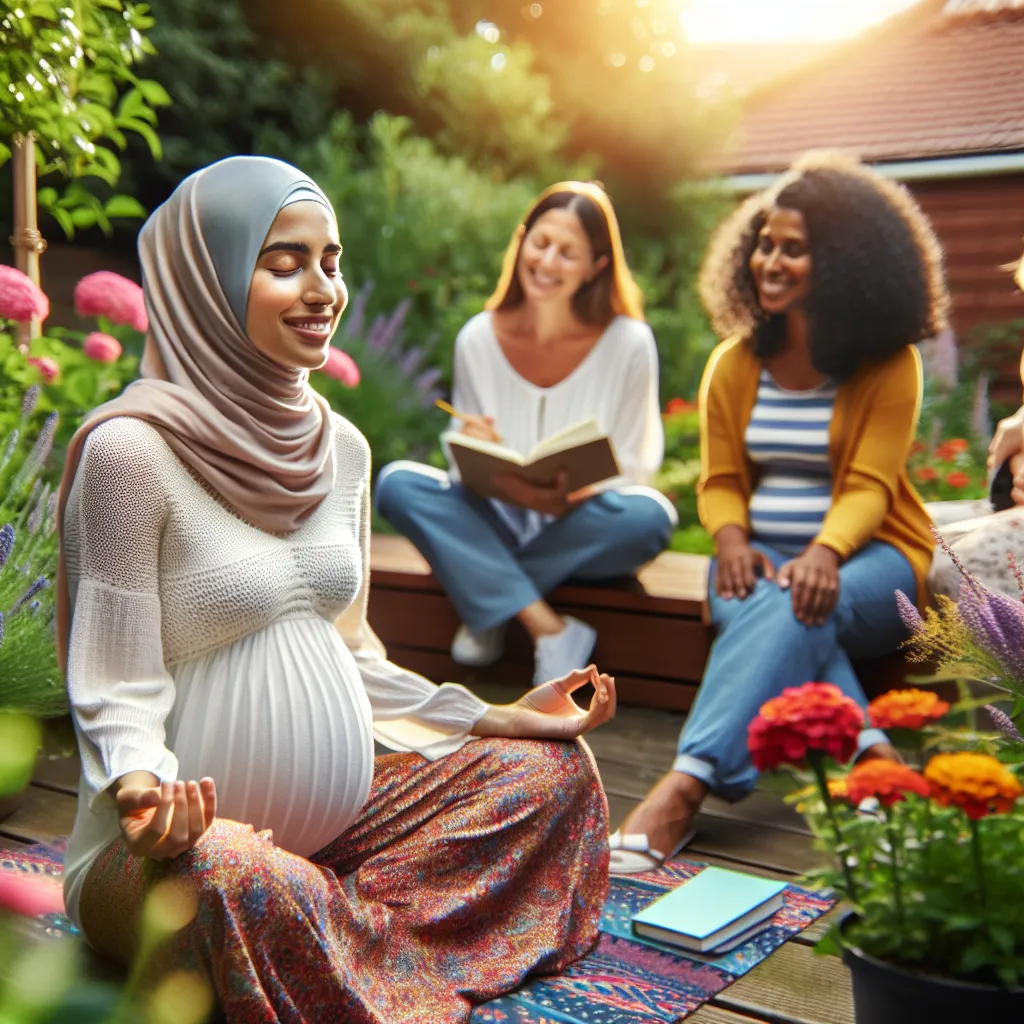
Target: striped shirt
<point>787,438</point>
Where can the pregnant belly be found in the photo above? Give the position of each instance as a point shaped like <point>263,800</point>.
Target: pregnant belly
<point>281,722</point>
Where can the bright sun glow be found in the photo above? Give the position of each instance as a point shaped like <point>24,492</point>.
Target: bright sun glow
<point>762,21</point>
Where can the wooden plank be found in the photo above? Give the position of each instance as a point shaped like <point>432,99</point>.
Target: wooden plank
<point>709,1014</point>
<point>59,774</point>
<point>793,986</point>
<point>16,845</point>
<point>44,816</point>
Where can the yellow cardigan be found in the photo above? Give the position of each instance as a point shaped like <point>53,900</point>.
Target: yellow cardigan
<point>873,424</point>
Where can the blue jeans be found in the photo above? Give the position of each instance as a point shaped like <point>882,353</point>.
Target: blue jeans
<point>762,648</point>
<point>474,557</point>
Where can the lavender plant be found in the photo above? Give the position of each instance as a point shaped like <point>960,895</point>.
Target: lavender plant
<point>30,680</point>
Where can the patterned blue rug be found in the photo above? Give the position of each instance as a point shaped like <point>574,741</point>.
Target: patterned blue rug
<point>625,980</point>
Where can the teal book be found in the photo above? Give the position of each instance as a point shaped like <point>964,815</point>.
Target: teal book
<point>714,907</point>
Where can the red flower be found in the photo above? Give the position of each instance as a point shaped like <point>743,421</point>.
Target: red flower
<point>958,479</point>
<point>949,450</point>
<point>102,347</point>
<point>112,296</point>
<point>886,780</point>
<point>916,448</point>
<point>21,298</point>
<point>341,366</point>
<point>906,709</point>
<point>677,406</point>
<point>47,367</point>
<point>815,716</point>
<point>925,474</point>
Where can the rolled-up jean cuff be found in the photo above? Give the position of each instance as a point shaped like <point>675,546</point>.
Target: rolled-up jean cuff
<point>694,766</point>
<point>868,738</point>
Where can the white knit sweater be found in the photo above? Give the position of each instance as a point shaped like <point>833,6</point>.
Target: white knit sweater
<point>201,645</point>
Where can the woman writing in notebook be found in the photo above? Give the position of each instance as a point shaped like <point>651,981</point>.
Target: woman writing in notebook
<point>562,340</point>
<point>821,286</point>
<point>226,687</point>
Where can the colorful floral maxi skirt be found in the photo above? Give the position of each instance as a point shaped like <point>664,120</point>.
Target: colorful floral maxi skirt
<point>461,877</point>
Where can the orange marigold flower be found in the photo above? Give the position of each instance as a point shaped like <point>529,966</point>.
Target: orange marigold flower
<point>813,717</point>
<point>925,474</point>
<point>838,790</point>
<point>906,709</point>
<point>978,783</point>
<point>958,479</point>
<point>677,406</point>
<point>886,780</point>
<point>957,445</point>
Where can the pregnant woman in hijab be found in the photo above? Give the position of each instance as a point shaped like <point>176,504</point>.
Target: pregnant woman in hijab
<point>226,686</point>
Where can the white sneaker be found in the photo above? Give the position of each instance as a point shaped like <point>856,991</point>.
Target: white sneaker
<point>478,649</point>
<point>558,655</point>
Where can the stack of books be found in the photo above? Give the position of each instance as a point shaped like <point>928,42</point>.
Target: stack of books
<point>713,912</point>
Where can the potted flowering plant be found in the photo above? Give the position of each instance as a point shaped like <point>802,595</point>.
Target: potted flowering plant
<point>927,852</point>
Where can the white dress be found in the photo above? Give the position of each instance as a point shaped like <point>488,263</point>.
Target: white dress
<point>616,383</point>
<point>201,645</point>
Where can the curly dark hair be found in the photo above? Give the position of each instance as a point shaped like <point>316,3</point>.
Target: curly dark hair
<point>877,282</point>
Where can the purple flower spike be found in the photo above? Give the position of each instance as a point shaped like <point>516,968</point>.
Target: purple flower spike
<point>39,583</point>
<point>1,628</point>
<point>6,543</point>
<point>1002,721</point>
<point>908,613</point>
<point>996,625</point>
<point>28,401</point>
<point>355,318</point>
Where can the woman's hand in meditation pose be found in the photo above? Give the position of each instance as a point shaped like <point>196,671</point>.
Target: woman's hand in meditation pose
<point>161,820</point>
<point>813,579</point>
<point>738,565</point>
<point>548,712</point>
<point>1007,441</point>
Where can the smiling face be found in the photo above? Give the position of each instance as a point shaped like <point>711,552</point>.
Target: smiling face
<point>297,293</point>
<point>556,259</point>
<point>781,262</point>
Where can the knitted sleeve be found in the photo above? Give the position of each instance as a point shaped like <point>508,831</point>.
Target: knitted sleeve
<point>120,691</point>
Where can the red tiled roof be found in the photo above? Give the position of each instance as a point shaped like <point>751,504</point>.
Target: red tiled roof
<point>932,82</point>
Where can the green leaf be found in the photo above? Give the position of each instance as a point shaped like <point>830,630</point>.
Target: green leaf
<point>46,197</point>
<point>5,154</point>
<point>83,217</point>
<point>63,218</point>
<point>1003,937</point>
<point>123,206</point>
<point>133,124</point>
<point>156,95</point>
<point>961,923</point>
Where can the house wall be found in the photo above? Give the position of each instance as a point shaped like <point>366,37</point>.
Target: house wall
<point>980,223</point>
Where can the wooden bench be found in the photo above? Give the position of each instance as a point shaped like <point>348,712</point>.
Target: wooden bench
<point>653,635</point>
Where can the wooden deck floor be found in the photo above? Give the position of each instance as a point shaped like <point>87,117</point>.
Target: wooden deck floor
<point>760,835</point>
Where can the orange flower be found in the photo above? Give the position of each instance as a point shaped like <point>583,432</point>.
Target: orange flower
<point>949,450</point>
<point>677,406</point>
<point>906,709</point>
<point>978,783</point>
<point>815,716</point>
<point>886,780</point>
<point>925,474</point>
<point>837,789</point>
<point>958,479</point>
<point>916,448</point>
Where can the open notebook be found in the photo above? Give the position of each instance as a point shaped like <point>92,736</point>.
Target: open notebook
<point>583,451</point>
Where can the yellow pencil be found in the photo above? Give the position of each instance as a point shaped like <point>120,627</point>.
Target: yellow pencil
<point>454,413</point>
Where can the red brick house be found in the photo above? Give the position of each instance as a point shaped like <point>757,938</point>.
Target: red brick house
<point>935,98</point>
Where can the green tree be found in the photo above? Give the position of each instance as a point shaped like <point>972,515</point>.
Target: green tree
<point>68,79</point>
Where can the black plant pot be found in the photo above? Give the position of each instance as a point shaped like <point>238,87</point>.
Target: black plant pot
<point>886,994</point>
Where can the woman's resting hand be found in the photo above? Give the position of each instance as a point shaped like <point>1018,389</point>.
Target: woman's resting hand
<point>738,565</point>
<point>548,712</point>
<point>813,580</point>
<point>163,819</point>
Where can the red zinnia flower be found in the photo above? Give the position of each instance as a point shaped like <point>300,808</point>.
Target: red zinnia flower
<point>815,716</point>
<point>47,367</point>
<point>958,479</point>
<point>925,474</point>
<point>112,296</point>
<point>886,780</point>
<point>21,298</point>
<point>677,406</point>
<point>102,347</point>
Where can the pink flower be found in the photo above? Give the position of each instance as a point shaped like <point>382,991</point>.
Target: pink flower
<point>47,367</point>
<point>30,895</point>
<point>341,366</point>
<point>20,297</point>
<point>102,347</point>
<point>113,296</point>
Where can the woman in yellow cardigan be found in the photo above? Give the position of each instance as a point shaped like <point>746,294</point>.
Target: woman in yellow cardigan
<point>821,286</point>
